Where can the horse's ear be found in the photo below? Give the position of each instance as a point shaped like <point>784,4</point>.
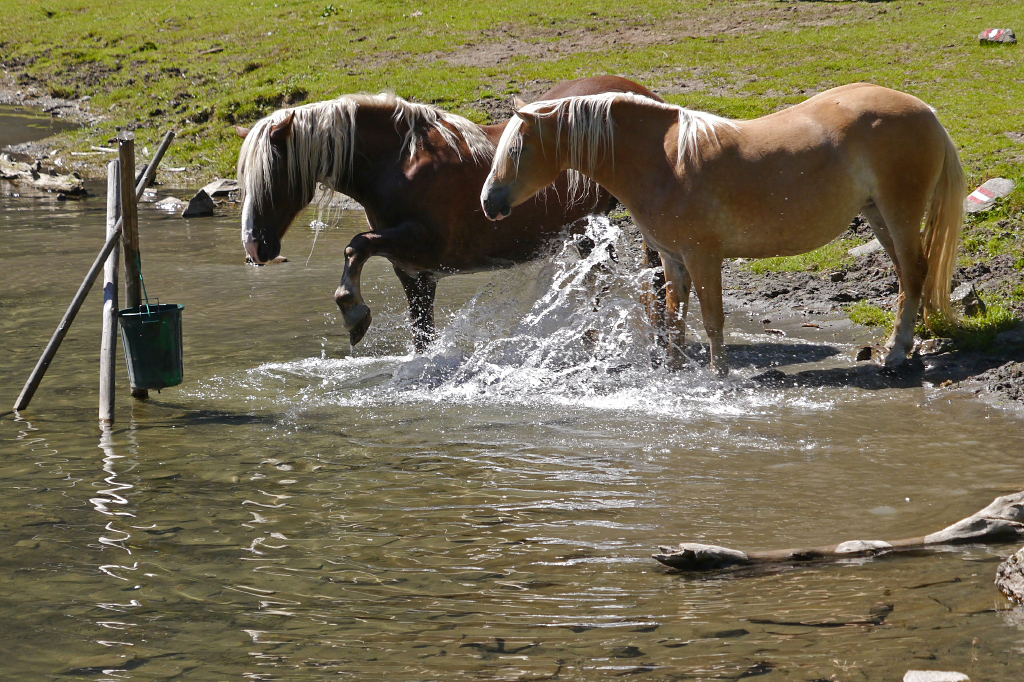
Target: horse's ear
<point>517,102</point>
<point>242,131</point>
<point>283,130</point>
<point>526,116</point>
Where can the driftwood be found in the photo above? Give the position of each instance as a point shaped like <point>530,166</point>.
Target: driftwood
<point>1003,520</point>
<point>22,172</point>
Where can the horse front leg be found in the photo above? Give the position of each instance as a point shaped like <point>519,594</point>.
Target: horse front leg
<point>349,296</point>
<point>706,272</point>
<point>675,303</point>
<point>420,289</point>
<point>404,243</point>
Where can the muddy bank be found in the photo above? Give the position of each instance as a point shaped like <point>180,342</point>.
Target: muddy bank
<point>995,372</point>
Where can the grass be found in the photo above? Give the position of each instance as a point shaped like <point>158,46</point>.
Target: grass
<point>870,315</point>
<point>968,333</point>
<point>832,256</point>
<point>207,64</point>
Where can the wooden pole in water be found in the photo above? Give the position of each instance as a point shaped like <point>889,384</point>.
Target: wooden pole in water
<point>32,383</point>
<point>130,233</point>
<point>108,342</point>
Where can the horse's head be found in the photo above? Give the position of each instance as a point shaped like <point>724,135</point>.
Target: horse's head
<point>270,198</point>
<point>523,164</point>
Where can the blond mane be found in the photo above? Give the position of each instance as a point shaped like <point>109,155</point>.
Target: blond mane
<point>321,147</point>
<point>587,123</point>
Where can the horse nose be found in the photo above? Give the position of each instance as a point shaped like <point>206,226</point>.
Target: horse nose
<point>495,207</point>
<point>252,252</point>
<point>267,252</point>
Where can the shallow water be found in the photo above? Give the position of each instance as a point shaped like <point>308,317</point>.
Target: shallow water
<point>298,510</point>
<point>23,124</point>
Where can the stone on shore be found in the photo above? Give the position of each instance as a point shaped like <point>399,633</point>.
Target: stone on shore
<point>984,198</point>
<point>173,204</point>
<point>221,187</point>
<point>865,249</point>
<point>966,299</point>
<point>997,36</point>
<point>200,206</point>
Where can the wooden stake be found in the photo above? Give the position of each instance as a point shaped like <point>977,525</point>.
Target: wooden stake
<point>130,234</point>
<point>108,342</point>
<point>32,383</point>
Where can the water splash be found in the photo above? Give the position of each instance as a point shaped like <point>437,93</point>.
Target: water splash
<point>566,331</point>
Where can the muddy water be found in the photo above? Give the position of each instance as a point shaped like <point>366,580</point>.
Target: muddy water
<point>301,510</point>
<point>24,124</point>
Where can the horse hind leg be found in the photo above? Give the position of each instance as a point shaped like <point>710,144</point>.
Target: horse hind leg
<point>420,291</point>
<point>673,303</point>
<point>897,227</point>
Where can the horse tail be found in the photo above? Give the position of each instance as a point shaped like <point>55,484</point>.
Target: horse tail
<point>942,234</point>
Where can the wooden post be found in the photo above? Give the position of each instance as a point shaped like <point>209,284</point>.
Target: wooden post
<point>108,342</point>
<point>32,383</point>
<point>130,233</point>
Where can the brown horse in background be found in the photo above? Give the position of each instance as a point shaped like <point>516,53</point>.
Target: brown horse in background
<point>703,188</point>
<point>418,172</point>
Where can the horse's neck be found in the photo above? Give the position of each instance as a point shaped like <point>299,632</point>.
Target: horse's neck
<point>638,150</point>
<point>377,155</point>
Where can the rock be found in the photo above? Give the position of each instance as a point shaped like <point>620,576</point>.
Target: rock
<point>173,204</point>
<point>984,198</point>
<point>1010,576</point>
<point>221,187</point>
<point>935,346</point>
<point>201,205</point>
<point>1013,338</point>
<point>864,353</point>
<point>934,676</point>
<point>965,297</point>
<point>997,36</point>
<point>865,249</point>
<point>837,276</point>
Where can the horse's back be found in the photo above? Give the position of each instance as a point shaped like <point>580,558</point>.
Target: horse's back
<point>595,85</point>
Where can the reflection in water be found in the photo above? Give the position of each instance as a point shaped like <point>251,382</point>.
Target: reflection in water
<point>300,511</point>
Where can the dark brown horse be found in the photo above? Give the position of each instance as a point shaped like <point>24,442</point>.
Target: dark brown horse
<point>418,172</point>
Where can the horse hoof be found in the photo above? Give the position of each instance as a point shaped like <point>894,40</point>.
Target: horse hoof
<point>357,321</point>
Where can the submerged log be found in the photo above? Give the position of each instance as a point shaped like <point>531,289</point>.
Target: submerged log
<point>1003,520</point>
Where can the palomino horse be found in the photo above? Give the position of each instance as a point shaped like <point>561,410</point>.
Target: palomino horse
<point>418,172</point>
<point>702,188</point>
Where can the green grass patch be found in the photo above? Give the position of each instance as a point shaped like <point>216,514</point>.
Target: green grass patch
<point>832,256</point>
<point>968,333</point>
<point>870,315</point>
<point>973,333</point>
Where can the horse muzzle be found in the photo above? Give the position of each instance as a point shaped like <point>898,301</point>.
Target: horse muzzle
<point>260,253</point>
<point>495,204</point>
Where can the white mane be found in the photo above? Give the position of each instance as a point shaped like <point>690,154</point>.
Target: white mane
<point>321,147</point>
<point>591,132</point>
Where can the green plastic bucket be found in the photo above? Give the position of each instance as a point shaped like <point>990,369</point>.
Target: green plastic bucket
<point>152,344</point>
